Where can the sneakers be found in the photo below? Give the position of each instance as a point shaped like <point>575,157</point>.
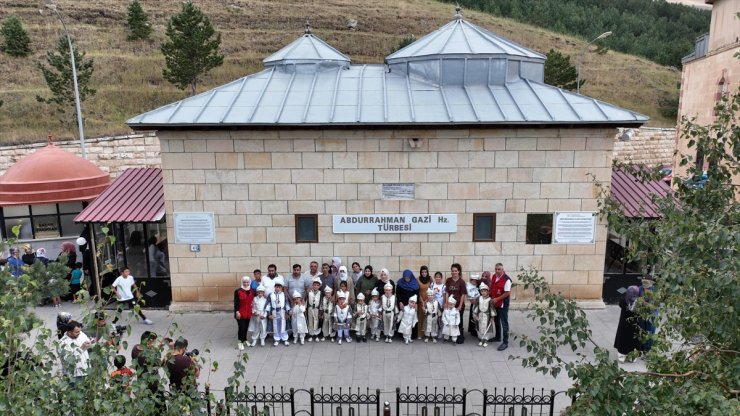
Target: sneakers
<point>434,340</point>
<point>240,346</point>
<point>349,340</point>
<point>377,339</point>
<point>276,343</point>
<point>340,341</point>
<point>485,344</point>
<point>146,321</point>
<point>426,340</point>
<point>310,339</point>
<point>480,344</point>
<point>287,343</point>
<point>418,338</point>
<point>503,346</point>
<point>262,342</point>
<point>301,341</point>
<point>322,339</point>
<point>407,341</point>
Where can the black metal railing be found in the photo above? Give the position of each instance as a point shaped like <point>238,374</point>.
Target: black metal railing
<point>294,402</point>
<point>504,402</point>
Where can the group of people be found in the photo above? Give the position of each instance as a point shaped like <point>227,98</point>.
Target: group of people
<point>329,304</point>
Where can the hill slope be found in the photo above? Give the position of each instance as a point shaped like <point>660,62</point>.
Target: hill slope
<point>128,74</point>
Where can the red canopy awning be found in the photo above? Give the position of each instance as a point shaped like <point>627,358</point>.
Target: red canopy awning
<point>634,196</point>
<point>135,196</point>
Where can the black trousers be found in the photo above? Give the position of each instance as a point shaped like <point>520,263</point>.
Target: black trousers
<point>243,327</point>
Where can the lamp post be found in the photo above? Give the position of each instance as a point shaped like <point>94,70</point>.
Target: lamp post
<point>580,58</point>
<point>49,4</point>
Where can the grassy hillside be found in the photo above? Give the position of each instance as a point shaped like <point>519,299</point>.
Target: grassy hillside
<point>128,74</point>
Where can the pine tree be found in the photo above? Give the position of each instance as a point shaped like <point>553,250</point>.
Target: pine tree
<point>192,48</point>
<point>17,43</point>
<point>58,76</point>
<point>138,22</point>
<point>559,71</point>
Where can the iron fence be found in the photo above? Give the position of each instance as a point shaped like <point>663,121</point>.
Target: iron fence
<point>505,402</point>
<point>309,402</point>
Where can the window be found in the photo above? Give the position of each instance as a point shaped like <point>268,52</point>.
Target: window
<point>41,221</point>
<point>306,228</point>
<point>484,227</point>
<point>539,228</point>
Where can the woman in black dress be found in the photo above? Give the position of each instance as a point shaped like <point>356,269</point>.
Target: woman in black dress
<point>628,329</point>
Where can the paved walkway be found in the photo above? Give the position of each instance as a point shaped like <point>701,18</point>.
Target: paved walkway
<point>371,364</point>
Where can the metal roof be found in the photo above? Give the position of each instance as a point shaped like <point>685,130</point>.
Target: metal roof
<point>135,196</point>
<point>482,79</point>
<point>307,49</point>
<point>635,196</point>
<point>460,37</point>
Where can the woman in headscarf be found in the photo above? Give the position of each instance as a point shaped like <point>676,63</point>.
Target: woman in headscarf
<point>628,329</point>
<point>70,251</point>
<point>425,281</point>
<point>41,256</point>
<point>384,278</point>
<point>29,258</point>
<point>406,287</point>
<point>343,276</point>
<point>367,283</point>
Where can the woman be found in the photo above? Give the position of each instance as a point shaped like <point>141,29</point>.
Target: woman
<point>41,256</point>
<point>455,286</point>
<point>29,258</point>
<point>425,281</point>
<point>157,260</point>
<point>70,252</point>
<point>385,277</point>
<point>366,283</point>
<point>628,329</point>
<point>243,297</point>
<point>406,287</point>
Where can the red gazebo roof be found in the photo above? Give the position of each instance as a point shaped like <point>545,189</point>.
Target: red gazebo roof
<point>51,175</point>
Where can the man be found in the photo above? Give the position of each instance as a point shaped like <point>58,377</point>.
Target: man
<point>313,272</point>
<point>256,279</point>
<point>182,370</point>
<point>124,288</point>
<point>298,283</point>
<point>269,281</point>
<point>327,280</point>
<point>73,353</point>
<point>501,291</point>
<point>356,272</point>
<point>15,264</point>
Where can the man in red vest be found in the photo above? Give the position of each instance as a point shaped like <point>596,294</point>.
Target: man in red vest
<point>501,291</point>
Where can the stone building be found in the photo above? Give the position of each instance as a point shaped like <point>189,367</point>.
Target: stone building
<point>456,138</point>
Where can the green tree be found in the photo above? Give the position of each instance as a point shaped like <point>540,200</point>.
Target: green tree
<point>138,22</point>
<point>560,72</point>
<point>17,43</point>
<point>191,49</point>
<point>693,250</point>
<point>58,77</point>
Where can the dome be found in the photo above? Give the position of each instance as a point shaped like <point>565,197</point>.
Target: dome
<point>51,175</point>
<point>307,50</point>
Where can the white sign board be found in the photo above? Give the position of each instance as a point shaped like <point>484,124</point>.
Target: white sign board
<point>394,223</point>
<point>574,228</point>
<point>194,228</point>
<point>397,191</point>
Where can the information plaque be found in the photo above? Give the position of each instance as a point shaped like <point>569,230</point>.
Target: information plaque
<point>194,228</point>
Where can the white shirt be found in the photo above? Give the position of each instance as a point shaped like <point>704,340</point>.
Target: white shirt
<point>69,347</point>
<point>123,287</point>
<point>269,285</point>
<point>507,285</point>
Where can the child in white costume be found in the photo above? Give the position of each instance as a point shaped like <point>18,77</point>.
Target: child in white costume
<point>361,318</point>
<point>439,294</point>
<point>343,318</point>
<point>298,318</point>
<point>431,311</point>
<point>313,306</point>
<point>327,314</point>
<point>451,320</point>
<point>407,318</point>
<point>374,309</point>
<point>388,309</point>
<point>484,312</point>
<point>279,308</point>
<point>258,323</point>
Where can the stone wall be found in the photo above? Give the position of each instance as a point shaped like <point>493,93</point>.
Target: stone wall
<point>111,154</point>
<point>650,146</point>
<point>255,182</point>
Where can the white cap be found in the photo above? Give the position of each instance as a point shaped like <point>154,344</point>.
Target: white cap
<point>328,289</point>
<point>475,276</point>
<point>316,280</point>
<point>430,291</point>
<point>375,292</point>
<point>388,286</point>
<point>360,297</point>
<point>260,288</point>
<point>296,294</point>
<point>279,281</point>
<point>483,286</point>
<point>341,294</point>
<point>451,300</point>
<point>413,299</point>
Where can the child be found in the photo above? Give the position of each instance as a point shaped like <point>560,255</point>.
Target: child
<point>314,305</point>
<point>343,290</point>
<point>327,314</point>
<point>388,308</point>
<point>298,319</point>
<point>439,294</point>
<point>473,294</point>
<point>343,318</point>
<point>407,318</point>
<point>278,307</point>
<point>484,312</point>
<point>431,312</point>
<point>451,320</point>
<point>258,323</point>
<point>121,371</point>
<point>361,318</point>
<point>76,283</point>
<point>374,310</point>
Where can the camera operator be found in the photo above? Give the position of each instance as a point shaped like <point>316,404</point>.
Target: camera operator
<point>63,320</point>
<point>105,333</point>
<point>182,368</point>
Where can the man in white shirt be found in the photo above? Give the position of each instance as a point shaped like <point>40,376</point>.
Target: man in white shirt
<point>123,288</point>
<point>73,353</point>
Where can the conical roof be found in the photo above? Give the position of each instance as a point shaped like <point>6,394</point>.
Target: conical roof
<point>307,49</point>
<point>51,175</point>
<point>460,37</point>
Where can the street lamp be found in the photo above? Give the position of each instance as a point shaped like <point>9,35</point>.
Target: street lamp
<point>580,58</point>
<point>49,4</point>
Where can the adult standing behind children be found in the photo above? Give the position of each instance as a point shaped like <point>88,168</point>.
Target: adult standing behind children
<point>384,279</point>
<point>367,282</point>
<point>243,298</point>
<point>501,292</point>
<point>406,287</point>
<point>455,286</point>
<point>124,288</point>
<point>425,282</point>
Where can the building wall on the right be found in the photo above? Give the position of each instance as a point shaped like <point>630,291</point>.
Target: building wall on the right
<point>725,27</point>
